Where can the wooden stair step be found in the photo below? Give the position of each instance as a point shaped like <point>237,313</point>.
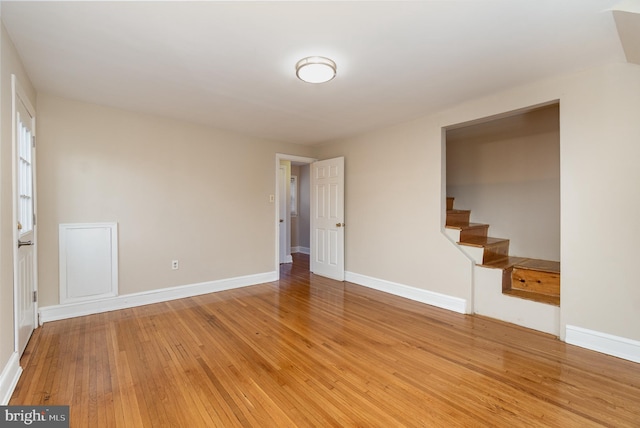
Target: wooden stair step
<point>536,276</point>
<point>504,263</point>
<point>493,248</point>
<point>483,241</point>
<point>470,229</point>
<point>457,217</point>
<point>540,265</point>
<point>467,226</point>
<point>538,297</point>
<point>449,203</point>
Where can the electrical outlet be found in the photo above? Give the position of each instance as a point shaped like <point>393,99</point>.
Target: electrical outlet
<point>174,265</point>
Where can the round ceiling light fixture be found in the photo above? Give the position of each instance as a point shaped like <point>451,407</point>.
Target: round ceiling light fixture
<point>315,69</point>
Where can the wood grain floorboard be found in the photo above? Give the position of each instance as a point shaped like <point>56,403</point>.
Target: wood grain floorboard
<point>307,351</point>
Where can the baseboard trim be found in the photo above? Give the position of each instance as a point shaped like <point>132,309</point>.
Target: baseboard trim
<point>443,301</point>
<point>9,378</point>
<point>303,250</point>
<point>616,346</point>
<point>58,312</point>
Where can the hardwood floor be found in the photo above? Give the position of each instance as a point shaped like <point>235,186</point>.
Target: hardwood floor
<point>308,351</point>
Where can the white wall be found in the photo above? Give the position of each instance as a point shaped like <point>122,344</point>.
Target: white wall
<point>178,191</point>
<point>507,172</point>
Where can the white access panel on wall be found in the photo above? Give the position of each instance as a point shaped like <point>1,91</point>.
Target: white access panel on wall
<point>88,261</point>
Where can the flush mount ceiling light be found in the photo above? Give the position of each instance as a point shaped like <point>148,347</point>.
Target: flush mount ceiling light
<point>315,69</point>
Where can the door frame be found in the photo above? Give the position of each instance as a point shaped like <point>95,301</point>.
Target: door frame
<point>277,196</point>
<point>19,95</point>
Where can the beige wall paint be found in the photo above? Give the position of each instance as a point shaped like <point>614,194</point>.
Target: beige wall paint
<point>507,172</point>
<point>177,190</point>
<point>9,64</point>
<point>599,152</point>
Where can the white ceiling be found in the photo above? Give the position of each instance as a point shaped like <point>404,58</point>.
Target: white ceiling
<point>231,64</point>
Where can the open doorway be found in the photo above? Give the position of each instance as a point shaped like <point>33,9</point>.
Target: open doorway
<point>292,202</point>
<point>300,204</point>
<point>326,219</point>
<point>503,212</point>
<point>507,172</point>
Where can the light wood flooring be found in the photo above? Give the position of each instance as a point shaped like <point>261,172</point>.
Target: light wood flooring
<point>307,351</point>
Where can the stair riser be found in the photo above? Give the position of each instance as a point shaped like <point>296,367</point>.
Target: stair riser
<point>477,231</point>
<point>449,203</point>
<point>536,281</point>
<point>506,279</point>
<point>495,252</point>
<point>458,218</point>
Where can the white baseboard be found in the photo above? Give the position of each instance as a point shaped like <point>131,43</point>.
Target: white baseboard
<point>9,378</point>
<point>616,346</point>
<point>58,312</point>
<point>444,301</point>
<point>303,250</point>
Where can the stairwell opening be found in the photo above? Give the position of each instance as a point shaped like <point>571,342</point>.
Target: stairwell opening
<point>503,190</point>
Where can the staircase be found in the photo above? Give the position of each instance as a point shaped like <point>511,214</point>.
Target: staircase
<point>525,278</point>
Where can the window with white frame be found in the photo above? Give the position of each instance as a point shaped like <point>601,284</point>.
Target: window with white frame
<point>25,178</point>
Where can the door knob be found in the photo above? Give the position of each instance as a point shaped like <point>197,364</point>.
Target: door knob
<point>339,224</point>
<point>23,243</point>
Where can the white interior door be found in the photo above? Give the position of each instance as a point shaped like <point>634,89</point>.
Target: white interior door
<point>327,218</point>
<point>25,276</point>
